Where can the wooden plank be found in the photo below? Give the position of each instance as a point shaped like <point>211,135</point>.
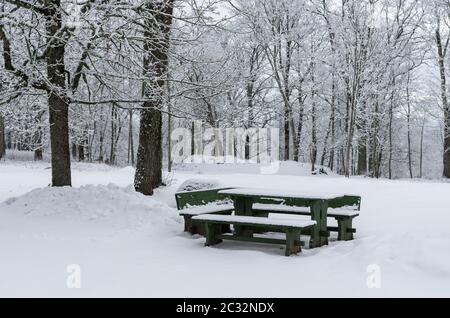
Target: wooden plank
<point>266,211</point>
<point>336,229</point>
<point>268,227</point>
<point>347,200</point>
<point>222,212</point>
<point>198,197</point>
<point>256,239</point>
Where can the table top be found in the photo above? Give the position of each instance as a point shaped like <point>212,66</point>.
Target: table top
<point>278,193</point>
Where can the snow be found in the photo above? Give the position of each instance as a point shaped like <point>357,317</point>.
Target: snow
<point>284,193</point>
<point>198,184</point>
<point>296,209</point>
<point>134,246</point>
<point>107,205</point>
<point>205,209</point>
<point>253,220</point>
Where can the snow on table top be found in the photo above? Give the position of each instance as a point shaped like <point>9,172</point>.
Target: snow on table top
<point>281,193</point>
<point>204,209</point>
<point>280,208</point>
<point>254,220</point>
<point>296,209</point>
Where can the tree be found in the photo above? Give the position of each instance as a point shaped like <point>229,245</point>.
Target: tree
<point>2,137</point>
<point>442,46</point>
<point>56,34</point>
<point>157,18</point>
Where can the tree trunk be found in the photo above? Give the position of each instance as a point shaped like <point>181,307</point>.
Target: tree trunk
<point>325,143</point>
<point>74,150</point>
<point>299,134</point>
<point>445,104</point>
<point>421,150</point>
<point>57,100</point>
<point>169,126</point>
<point>113,124</point>
<point>158,22</point>
<point>408,122</point>
<point>2,138</point>
<point>37,145</point>
<point>81,156</point>
<point>130,139</point>
<point>362,142</point>
<point>390,127</point>
<point>313,121</point>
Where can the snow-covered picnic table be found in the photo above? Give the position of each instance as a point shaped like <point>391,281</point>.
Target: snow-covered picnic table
<point>210,213</point>
<point>317,202</point>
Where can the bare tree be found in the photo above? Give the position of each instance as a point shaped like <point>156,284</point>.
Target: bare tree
<point>157,22</point>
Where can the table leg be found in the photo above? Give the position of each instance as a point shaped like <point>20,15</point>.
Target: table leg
<point>319,235</point>
<point>243,206</point>
<point>324,234</point>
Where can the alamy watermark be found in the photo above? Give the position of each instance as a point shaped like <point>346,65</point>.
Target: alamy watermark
<point>373,280</point>
<point>73,280</point>
<point>229,145</point>
<point>73,11</point>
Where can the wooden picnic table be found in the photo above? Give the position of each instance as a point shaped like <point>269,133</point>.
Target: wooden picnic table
<point>244,198</point>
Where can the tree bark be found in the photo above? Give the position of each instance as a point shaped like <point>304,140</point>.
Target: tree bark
<point>130,139</point>
<point>37,145</point>
<point>408,122</point>
<point>81,156</point>
<point>2,138</point>
<point>421,150</point>
<point>57,99</point>
<point>445,105</point>
<point>74,150</point>
<point>313,150</point>
<point>157,39</point>
<point>362,142</point>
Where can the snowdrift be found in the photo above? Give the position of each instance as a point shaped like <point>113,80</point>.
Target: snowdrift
<point>106,204</point>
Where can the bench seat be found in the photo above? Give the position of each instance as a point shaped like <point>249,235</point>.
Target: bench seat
<point>302,210</point>
<point>292,229</point>
<point>206,209</point>
<point>256,221</point>
<point>343,216</point>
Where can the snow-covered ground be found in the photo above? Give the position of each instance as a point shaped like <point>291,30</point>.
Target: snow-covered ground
<point>130,245</point>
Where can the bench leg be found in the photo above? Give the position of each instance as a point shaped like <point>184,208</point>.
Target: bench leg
<point>345,229</point>
<point>211,232</point>
<point>193,228</point>
<point>291,247</point>
<point>188,224</point>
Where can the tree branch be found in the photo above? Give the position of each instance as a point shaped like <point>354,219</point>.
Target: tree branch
<point>27,5</point>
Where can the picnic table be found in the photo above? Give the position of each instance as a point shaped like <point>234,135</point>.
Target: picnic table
<point>244,198</point>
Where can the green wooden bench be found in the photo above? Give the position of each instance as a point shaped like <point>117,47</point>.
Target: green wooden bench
<point>292,229</point>
<point>344,210</point>
<point>198,202</point>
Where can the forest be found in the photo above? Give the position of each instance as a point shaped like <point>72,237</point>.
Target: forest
<point>357,86</point>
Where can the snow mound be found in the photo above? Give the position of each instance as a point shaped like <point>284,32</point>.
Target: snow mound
<point>108,204</point>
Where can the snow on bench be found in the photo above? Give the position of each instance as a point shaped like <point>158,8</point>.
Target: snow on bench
<point>302,210</point>
<point>205,209</point>
<point>234,219</point>
<point>292,229</point>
